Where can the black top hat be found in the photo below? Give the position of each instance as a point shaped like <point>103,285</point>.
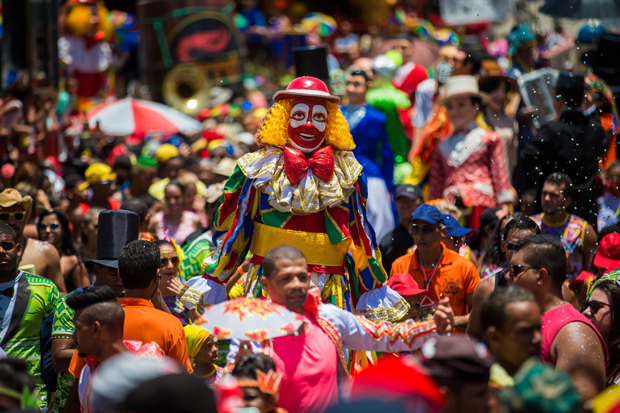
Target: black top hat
<point>116,229</point>
<point>570,81</point>
<point>606,60</point>
<point>311,61</point>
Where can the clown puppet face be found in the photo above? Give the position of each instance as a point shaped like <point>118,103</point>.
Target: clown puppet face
<point>307,124</point>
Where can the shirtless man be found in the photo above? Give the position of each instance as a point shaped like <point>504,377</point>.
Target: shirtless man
<point>38,257</point>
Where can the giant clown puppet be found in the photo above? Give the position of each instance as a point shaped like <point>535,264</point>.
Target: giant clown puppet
<point>303,188</point>
<point>83,48</point>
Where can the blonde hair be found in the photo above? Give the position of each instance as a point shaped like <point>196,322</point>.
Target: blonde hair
<point>274,128</point>
<point>77,21</point>
<point>446,207</point>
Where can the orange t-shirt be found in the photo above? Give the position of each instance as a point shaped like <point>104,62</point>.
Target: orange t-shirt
<point>145,323</point>
<point>456,278</point>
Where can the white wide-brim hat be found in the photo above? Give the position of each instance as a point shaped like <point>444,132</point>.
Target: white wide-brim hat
<point>458,86</point>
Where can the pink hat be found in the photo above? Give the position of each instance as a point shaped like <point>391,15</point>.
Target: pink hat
<point>404,284</point>
<point>306,86</point>
<point>608,252</point>
<point>7,171</point>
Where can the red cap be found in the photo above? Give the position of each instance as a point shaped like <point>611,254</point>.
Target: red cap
<point>7,171</point>
<point>583,277</point>
<point>608,252</point>
<point>397,376</point>
<point>306,87</point>
<point>404,284</point>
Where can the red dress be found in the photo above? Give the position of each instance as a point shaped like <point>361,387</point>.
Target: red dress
<point>470,166</point>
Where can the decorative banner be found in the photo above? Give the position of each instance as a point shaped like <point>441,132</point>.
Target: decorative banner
<point>460,12</point>
<point>203,37</point>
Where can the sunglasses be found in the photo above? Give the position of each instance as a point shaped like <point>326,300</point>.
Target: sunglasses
<point>354,83</point>
<point>515,269</point>
<point>511,246</point>
<point>17,216</point>
<point>173,261</point>
<point>7,246</point>
<point>43,226</point>
<point>426,230</point>
<point>594,305</point>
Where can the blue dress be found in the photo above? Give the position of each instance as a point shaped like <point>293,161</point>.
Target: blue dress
<point>372,147</point>
<point>374,152</point>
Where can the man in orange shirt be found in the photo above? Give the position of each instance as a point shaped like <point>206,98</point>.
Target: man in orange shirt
<point>441,271</point>
<point>138,266</point>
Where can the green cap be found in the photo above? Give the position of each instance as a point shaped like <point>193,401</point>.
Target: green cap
<point>540,388</point>
<point>145,161</point>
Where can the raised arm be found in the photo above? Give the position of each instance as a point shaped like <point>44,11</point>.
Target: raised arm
<point>358,333</point>
<point>483,290</point>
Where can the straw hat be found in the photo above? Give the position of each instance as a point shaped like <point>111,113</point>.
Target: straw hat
<point>491,70</point>
<point>459,86</point>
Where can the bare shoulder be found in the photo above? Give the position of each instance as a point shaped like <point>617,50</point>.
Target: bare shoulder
<point>589,233</point>
<point>485,288</point>
<point>576,337</point>
<point>46,249</point>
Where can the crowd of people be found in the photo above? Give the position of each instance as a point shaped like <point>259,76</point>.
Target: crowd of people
<point>449,247</point>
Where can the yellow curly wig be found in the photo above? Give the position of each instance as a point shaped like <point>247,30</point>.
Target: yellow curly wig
<point>77,21</point>
<point>274,128</point>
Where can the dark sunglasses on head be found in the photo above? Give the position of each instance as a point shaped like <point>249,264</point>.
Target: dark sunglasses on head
<point>594,305</point>
<point>173,261</point>
<point>516,269</point>
<point>43,226</point>
<point>17,216</point>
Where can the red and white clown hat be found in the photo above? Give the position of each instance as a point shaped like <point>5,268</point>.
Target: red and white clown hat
<point>306,86</point>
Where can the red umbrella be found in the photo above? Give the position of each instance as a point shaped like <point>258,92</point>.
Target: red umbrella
<point>136,117</point>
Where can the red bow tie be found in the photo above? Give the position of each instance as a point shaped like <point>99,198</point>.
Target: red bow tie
<point>296,165</point>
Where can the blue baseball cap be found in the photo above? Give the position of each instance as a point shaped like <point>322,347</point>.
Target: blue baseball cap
<point>427,213</point>
<point>453,227</point>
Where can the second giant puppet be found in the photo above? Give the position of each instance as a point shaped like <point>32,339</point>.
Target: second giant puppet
<point>303,188</point>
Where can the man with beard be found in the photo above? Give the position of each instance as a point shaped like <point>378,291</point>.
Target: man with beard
<point>25,303</point>
<point>570,342</point>
<point>37,257</point>
<point>577,236</point>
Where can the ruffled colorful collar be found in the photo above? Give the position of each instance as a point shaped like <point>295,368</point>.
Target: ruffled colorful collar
<point>311,194</point>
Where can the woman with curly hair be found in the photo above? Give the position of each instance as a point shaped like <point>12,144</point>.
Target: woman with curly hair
<point>53,227</point>
<point>602,308</point>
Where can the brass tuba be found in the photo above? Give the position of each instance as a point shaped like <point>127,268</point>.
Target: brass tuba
<point>187,89</point>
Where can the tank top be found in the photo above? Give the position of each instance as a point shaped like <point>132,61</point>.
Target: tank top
<point>570,233</point>
<point>553,321</point>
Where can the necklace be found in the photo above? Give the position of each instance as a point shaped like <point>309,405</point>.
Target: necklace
<point>428,281</point>
<point>208,375</point>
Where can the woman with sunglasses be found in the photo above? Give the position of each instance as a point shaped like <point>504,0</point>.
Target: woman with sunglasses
<point>169,284</point>
<point>602,308</point>
<point>53,227</point>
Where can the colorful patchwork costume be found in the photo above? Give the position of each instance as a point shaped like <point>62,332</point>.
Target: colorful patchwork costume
<point>303,188</point>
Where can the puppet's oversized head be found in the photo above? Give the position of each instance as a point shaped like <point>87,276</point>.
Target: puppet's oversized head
<point>87,18</point>
<point>306,117</point>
